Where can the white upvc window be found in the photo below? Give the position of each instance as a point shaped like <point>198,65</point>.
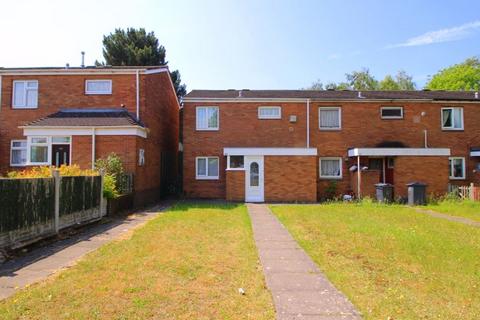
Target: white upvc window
<point>207,118</point>
<point>269,112</point>
<point>457,168</point>
<point>25,94</point>
<point>330,168</point>
<point>18,153</point>
<point>391,112</point>
<point>330,118</point>
<point>207,168</point>
<point>98,86</point>
<point>38,152</point>
<point>452,118</point>
<point>235,162</point>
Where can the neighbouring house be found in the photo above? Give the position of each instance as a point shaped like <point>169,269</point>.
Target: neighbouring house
<point>56,116</point>
<point>296,145</point>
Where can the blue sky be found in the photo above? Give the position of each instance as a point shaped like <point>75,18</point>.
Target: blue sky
<point>252,44</point>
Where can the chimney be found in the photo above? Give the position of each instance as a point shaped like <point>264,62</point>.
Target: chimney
<point>360,95</point>
<point>67,66</point>
<point>476,94</point>
<point>83,59</point>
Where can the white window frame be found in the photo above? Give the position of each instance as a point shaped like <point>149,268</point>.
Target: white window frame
<point>464,168</point>
<point>391,108</point>
<point>233,169</point>
<point>452,128</point>
<point>25,90</point>
<point>49,144</point>
<point>267,117</point>
<point>330,177</point>
<point>207,128</point>
<point>339,118</point>
<point>18,148</point>
<point>98,92</point>
<point>206,177</point>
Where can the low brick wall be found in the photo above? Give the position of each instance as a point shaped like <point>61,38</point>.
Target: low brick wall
<point>235,185</point>
<point>290,178</point>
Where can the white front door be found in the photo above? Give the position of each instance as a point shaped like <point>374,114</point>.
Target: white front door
<point>254,179</point>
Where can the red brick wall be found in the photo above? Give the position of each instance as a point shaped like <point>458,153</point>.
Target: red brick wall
<point>361,127</point>
<point>235,186</point>
<point>429,170</point>
<point>290,178</point>
<point>369,179</point>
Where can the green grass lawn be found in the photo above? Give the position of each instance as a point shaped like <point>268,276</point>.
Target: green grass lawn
<point>187,263</point>
<point>392,262</point>
<point>466,209</point>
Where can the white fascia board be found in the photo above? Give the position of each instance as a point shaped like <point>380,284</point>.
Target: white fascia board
<point>85,131</point>
<point>63,72</point>
<point>391,152</point>
<point>270,151</point>
<point>157,70</point>
<point>474,153</point>
<point>318,100</point>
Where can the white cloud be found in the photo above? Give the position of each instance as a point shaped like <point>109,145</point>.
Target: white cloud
<point>442,35</point>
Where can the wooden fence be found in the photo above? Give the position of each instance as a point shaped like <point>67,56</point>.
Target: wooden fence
<point>470,192</point>
<point>35,208</point>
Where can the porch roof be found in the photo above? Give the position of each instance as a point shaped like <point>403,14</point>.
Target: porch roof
<point>475,152</point>
<point>354,152</point>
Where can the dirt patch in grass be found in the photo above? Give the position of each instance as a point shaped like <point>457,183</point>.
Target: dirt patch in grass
<point>392,262</point>
<point>187,263</point>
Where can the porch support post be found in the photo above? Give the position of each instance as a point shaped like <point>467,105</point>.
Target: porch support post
<point>359,178</point>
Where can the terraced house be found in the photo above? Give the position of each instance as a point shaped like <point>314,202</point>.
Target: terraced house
<point>293,145</point>
<point>56,116</point>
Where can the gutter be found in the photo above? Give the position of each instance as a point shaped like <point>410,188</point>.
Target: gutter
<point>302,100</point>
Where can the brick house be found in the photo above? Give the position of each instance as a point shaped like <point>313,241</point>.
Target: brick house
<point>295,145</point>
<point>55,116</point>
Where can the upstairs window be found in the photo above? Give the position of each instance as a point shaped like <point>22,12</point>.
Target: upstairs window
<point>207,168</point>
<point>18,153</point>
<point>331,168</point>
<point>269,112</point>
<point>452,118</point>
<point>25,94</point>
<point>391,112</point>
<point>457,168</point>
<point>207,118</point>
<point>98,87</point>
<point>330,118</point>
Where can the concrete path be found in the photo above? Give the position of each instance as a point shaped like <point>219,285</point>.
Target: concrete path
<point>44,261</point>
<point>299,288</point>
<point>435,214</point>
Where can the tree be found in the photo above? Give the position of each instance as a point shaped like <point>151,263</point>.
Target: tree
<point>462,76</point>
<point>405,81</point>
<point>388,83</point>
<point>362,80</point>
<point>137,48</point>
<point>316,85</point>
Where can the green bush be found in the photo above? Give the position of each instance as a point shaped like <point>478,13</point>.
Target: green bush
<point>109,187</point>
<point>112,166</point>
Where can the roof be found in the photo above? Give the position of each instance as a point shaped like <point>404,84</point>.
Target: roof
<point>333,95</point>
<point>79,70</point>
<point>107,117</point>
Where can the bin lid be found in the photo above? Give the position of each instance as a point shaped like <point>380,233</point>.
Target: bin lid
<point>416,184</point>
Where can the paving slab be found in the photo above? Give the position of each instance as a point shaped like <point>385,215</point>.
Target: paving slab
<point>299,289</point>
<point>42,262</point>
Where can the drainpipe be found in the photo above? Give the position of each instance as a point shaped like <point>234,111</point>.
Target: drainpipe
<point>359,179</point>
<point>93,148</point>
<point>308,123</point>
<point>425,138</point>
<point>0,93</point>
<point>137,88</point>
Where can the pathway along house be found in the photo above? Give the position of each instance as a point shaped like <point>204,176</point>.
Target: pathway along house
<point>294,145</point>
<point>55,116</point>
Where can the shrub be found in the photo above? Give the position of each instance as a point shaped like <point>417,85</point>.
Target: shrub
<point>46,172</point>
<point>109,187</point>
<point>111,165</point>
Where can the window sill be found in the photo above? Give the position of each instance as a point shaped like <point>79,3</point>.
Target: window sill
<point>330,129</point>
<point>454,178</point>
<point>235,169</point>
<point>217,129</point>
<point>24,108</point>
<point>98,93</point>
<point>18,165</point>
<point>207,178</point>
<point>330,178</point>
<point>396,118</point>
<point>447,129</point>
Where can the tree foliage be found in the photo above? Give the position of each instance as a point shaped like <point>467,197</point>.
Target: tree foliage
<point>136,47</point>
<point>364,80</point>
<point>462,76</point>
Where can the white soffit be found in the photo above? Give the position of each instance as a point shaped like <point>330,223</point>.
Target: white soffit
<point>85,131</point>
<point>270,151</point>
<point>398,152</point>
